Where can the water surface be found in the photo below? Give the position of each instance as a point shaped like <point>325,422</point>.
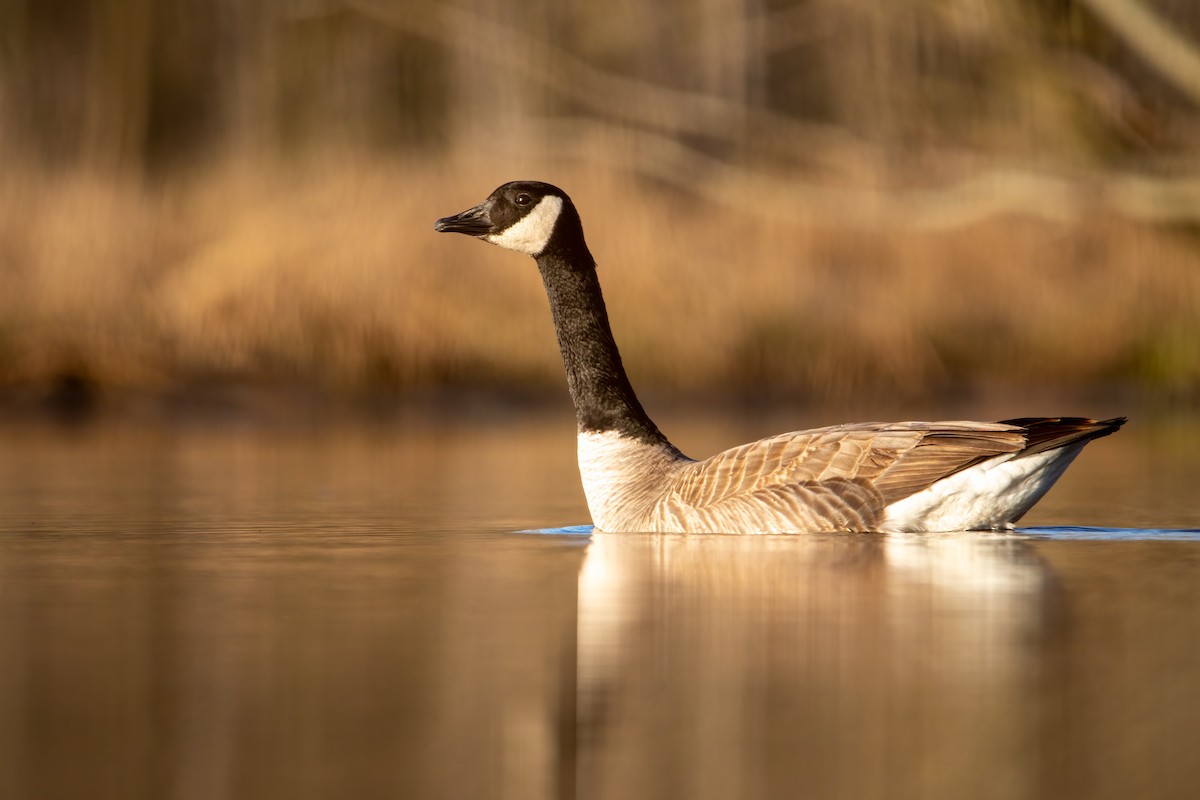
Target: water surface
<point>210,611</point>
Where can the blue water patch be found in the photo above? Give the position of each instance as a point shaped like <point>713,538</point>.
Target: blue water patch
<point>1113,534</point>
<point>1043,532</point>
<point>569,530</point>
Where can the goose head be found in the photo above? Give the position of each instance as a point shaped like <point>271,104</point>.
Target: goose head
<point>529,217</point>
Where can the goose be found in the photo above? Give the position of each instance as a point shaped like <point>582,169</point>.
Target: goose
<point>862,477</point>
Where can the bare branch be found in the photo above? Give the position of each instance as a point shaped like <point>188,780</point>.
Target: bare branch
<point>990,193</point>
<point>615,97</point>
<point>1165,50</point>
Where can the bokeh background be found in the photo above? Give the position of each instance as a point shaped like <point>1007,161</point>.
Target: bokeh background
<point>801,199</point>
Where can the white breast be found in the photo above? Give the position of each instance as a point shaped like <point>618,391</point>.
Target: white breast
<point>623,478</point>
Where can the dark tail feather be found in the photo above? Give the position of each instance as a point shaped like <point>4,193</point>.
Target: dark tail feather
<point>1048,433</point>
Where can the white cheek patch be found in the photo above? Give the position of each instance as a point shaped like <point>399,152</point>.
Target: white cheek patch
<point>533,231</point>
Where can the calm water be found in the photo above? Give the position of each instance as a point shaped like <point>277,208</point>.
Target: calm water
<point>225,611</point>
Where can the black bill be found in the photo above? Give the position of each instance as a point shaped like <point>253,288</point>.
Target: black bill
<point>473,222</point>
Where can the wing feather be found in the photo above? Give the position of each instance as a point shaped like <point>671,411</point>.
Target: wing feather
<point>847,472</point>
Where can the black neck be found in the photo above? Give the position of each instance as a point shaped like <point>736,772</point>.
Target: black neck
<point>604,399</point>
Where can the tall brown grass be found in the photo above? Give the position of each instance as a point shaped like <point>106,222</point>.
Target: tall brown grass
<point>811,198</point>
<point>327,273</point>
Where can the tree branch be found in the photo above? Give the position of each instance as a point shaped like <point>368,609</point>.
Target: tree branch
<point>1168,53</point>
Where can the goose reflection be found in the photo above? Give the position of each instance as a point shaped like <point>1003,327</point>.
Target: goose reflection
<point>849,665</point>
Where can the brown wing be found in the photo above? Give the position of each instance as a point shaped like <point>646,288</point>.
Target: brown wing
<point>887,460</point>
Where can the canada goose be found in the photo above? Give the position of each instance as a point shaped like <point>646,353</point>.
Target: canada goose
<point>904,476</point>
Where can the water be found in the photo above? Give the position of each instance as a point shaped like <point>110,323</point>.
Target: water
<point>239,611</point>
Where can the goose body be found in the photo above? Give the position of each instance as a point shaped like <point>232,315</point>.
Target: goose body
<point>904,476</point>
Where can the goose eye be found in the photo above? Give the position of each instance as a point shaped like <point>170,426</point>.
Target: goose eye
<point>524,199</point>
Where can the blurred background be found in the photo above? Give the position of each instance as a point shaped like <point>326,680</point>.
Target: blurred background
<point>807,199</point>
<point>219,214</point>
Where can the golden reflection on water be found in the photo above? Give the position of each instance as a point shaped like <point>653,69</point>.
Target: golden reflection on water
<point>229,612</point>
<point>852,666</point>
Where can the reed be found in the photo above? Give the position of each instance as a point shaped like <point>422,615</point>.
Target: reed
<point>328,274</point>
<point>815,199</point>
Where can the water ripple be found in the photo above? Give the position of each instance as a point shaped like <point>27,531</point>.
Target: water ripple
<point>1040,532</point>
<point>1113,534</point>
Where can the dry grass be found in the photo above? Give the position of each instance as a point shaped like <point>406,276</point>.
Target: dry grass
<point>332,276</point>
